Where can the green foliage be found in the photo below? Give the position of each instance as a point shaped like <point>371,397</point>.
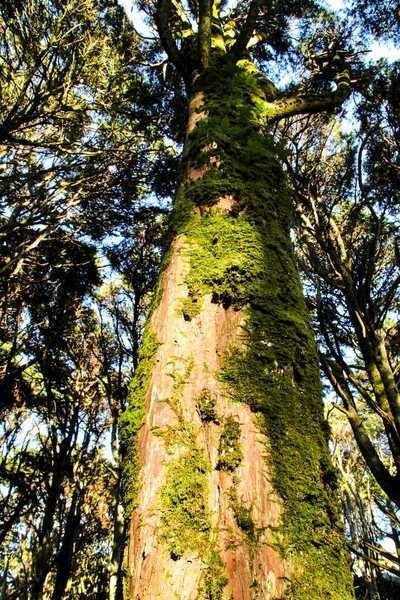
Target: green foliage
<point>69,128</point>
<point>382,19</point>
<point>230,453</point>
<point>348,252</point>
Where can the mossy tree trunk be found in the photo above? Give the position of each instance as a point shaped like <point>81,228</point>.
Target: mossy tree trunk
<point>229,473</point>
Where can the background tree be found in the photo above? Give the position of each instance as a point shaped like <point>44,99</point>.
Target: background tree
<point>54,468</point>
<point>349,236</point>
<point>345,189</point>
<point>371,519</point>
<point>75,150</point>
<point>71,143</point>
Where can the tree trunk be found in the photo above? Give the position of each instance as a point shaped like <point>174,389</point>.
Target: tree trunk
<point>43,553</point>
<point>65,556</point>
<point>115,587</point>
<point>234,497</point>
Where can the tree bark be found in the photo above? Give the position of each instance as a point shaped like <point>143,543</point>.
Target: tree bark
<point>41,563</point>
<point>235,494</point>
<point>65,556</point>
<point>115,591</point>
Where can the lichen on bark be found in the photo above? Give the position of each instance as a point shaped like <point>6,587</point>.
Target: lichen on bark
<point>185,517</point>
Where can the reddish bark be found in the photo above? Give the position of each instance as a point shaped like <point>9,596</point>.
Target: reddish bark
<point>154,573</point>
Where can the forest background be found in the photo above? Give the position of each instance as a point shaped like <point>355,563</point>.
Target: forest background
<point>90,137</point>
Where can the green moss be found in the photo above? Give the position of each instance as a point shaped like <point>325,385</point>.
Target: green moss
<point>186,521</point>
<point>180,380</point>
<point>126,578</point>
<point>242,512</point>
<point>226,275</point>
<point>183,496</point>
<point>205,404</point>
<point>132,420</point>
<point>214,579</point>
<point>230,453</point>
<point>244,518</point>
<point>185,516</point>
<point>190,307</point>
<point>290,416</point>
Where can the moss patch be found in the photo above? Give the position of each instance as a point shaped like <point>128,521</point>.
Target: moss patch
<point>190,307</point>
<point>242,512</point>
<point>205,404</point>
<point>185,518</point>
<point>132,420</point>
<point>215,579</point>
<point>230,453</point>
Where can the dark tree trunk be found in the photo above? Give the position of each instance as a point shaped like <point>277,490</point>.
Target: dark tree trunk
<point>65,556</point>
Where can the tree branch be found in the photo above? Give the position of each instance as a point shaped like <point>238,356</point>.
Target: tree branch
<point>204,36</point>
<point>246,34</point>
<point>388,483</point>
<point>374,561</point>
<point>162,17</point>
<point>312,104</point>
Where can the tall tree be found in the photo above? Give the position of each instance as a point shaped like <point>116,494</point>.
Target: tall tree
<point>227,471</point>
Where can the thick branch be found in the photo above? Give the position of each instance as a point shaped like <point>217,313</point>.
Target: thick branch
<point>302,105</point>
<point>374,561</point>
<point>162,17</point>
<point>388,379</point>
<point>387,555</point>
<point>205,18</point>
<point>246,34</point>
